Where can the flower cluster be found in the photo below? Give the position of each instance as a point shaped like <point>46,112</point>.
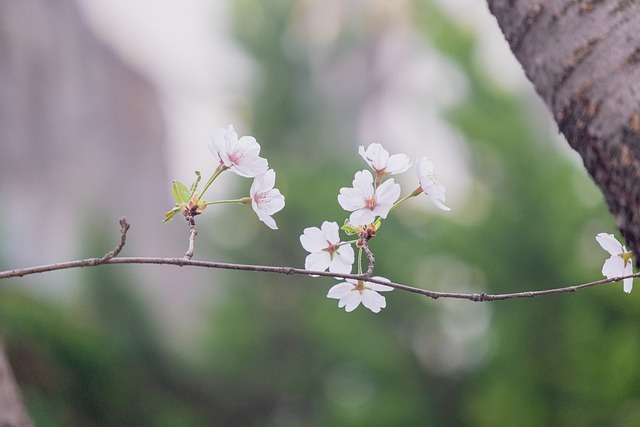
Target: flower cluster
<point>242,157</point>
<point>369,201</point>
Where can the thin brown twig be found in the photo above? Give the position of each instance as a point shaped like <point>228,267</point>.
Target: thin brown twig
<point>183,262</point>
<point>370,257</point>
<point>193,232</point>
<point>124,227</point>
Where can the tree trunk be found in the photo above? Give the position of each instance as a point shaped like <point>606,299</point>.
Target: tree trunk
<point>583,57</point>
<point>12,410</point>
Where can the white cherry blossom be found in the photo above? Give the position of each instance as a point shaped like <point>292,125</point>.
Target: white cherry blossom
<point>620,263</point>
<point>353,292</point>
<point>366,202</point>
<point>379,160</point>
<point>326,249</point>
<point>266,200</point>
<point>429,183</point>
<point>241,156</point>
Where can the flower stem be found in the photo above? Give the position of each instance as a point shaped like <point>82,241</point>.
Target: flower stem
<point>220,202</point>
<point>404,199</point>
<point>216,173</point>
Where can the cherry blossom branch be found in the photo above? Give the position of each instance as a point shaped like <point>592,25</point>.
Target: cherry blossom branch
<point>112,258</point>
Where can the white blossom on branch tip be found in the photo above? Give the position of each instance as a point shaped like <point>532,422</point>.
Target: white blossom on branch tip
<point>429,183</point>
<point>353,292</point>
<point>326,250</point>
<point>366,202</point>
<point>241,156</point>
<point>266,200</point>
<point>379,160</point>
<point>620,263</point>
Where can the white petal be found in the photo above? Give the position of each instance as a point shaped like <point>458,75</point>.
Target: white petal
<point>627,284</point>
<point>609,243</point>
<point>317,261</point>
<point>273,201</point>
<point>398,163</point>
<point>340,290</point>
<point>424,168</point>
<point>345,253</point>
<point>378,288</point>
<point>373,301</point>
<point>331,232</point>
<point>342,262</point>
<point>313,239</point>
<point>351,301</point>
<point>363,183</point>
<point>350,199</point>
<point>362,217</point>
<point>613,267</point>
<point>437,199</point>
<point>251,167</point>
<point>379,156</point>
<point>363,154</point>
<point>270,222</point>
<point>263,182</point>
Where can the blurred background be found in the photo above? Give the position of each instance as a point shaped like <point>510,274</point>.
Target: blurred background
<point>102,104</point>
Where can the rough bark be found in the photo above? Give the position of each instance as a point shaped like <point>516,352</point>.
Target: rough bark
<point>583,57</point>
<point>12,410</point>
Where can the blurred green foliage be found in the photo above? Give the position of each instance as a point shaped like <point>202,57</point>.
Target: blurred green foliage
<point>278,353</point>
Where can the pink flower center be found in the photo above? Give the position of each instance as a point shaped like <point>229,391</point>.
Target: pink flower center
<point>260,198</point>
<point>237,155</point>
<point>331,248</point>
<point>370,203</point>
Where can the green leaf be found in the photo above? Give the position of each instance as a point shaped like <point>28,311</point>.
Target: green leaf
<point>349,229</point>
<point>180,192</point>
<point>169,215</point>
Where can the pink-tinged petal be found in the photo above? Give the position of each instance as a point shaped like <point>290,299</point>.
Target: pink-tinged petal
<point>429,184</point>
<point>627,284</point>
<point>241,156</point>
<point>313,239</point>
<point>317,261</point>
<point>340,290</point>
<point>373,301</point>
<point>398,163</point>
<point>266,200</point>
<point>251,167</point>
<point>274,201</point>
<point>609,243</point>
<point>613,267</point>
